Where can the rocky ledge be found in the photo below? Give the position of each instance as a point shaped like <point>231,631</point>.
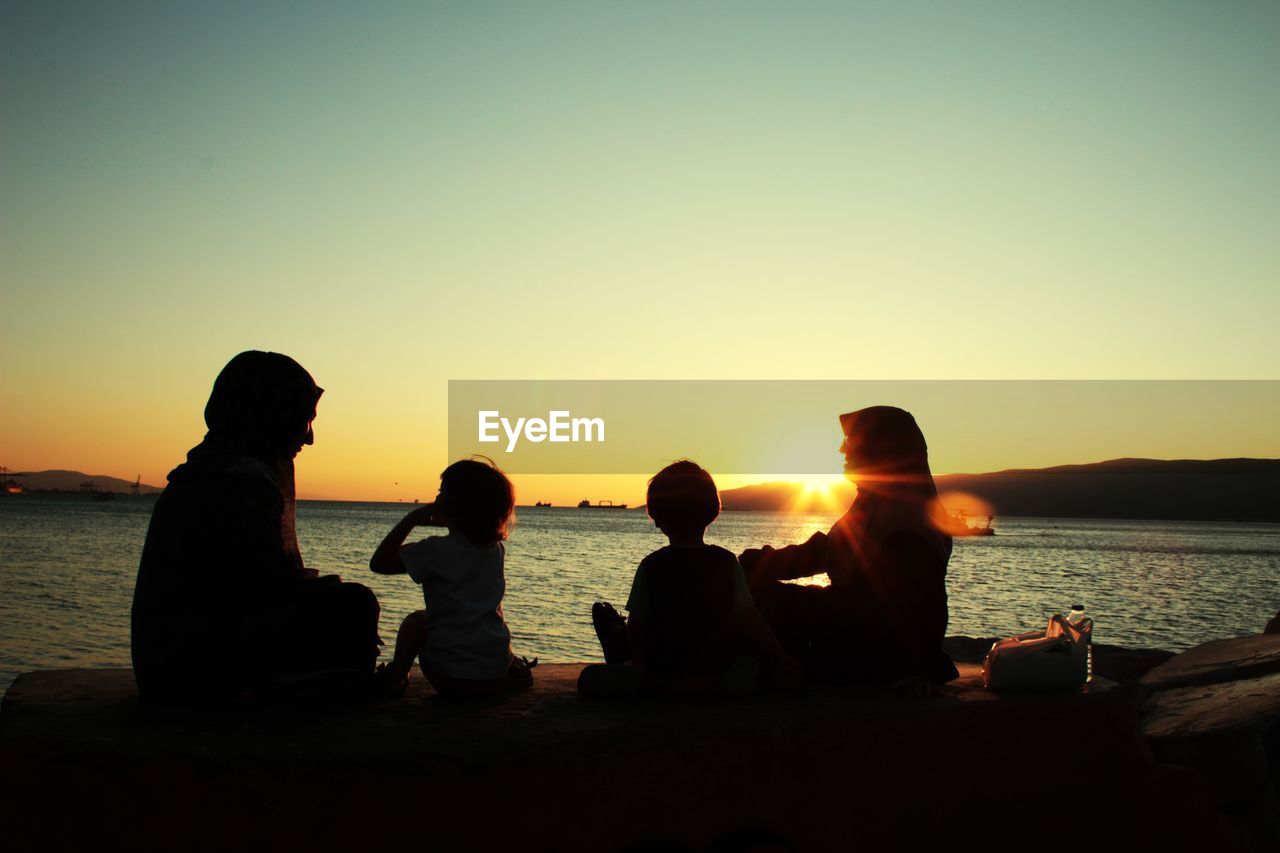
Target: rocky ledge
<point>548,769</point>
<point>1216,709</point>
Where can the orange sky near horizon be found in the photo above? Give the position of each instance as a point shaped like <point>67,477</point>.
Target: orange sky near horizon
<point>356,457</point>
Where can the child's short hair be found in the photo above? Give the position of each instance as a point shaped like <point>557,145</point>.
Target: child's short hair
<point>480,498</point>
<point>683,498</point>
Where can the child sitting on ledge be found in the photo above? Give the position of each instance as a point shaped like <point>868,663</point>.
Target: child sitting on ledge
<point>460,640</point>
<point>692,623</point>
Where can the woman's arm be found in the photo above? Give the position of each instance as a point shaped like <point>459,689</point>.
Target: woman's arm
<point>794,561</point>
<point>386,559</point>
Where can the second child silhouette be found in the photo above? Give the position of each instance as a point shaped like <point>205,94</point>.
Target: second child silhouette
<point>692,624</point>
<point>461,639</point>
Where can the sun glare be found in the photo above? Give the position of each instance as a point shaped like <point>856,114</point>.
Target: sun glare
<point>819,493</point>
<point>813,484</point>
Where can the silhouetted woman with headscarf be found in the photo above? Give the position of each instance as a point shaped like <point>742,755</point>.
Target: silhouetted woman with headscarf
<point>883,618</point>
<point>223,602</point>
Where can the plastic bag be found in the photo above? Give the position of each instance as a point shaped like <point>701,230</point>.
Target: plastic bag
<point>1056,658</point>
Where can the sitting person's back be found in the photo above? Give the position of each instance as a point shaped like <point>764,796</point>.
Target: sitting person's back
<point>221,573</point>
<point>463,585</point>
<point>883,617</point>
<point>688,596</point>
<point>460,637</point>
<point>692,620</point>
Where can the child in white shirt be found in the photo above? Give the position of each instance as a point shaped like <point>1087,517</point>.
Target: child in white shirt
<point>460,639</point>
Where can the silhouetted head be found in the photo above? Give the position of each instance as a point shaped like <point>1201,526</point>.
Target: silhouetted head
<point>683,498</point>
<point>883,443</point>
<point>477,499</point>
<point>262,404</point>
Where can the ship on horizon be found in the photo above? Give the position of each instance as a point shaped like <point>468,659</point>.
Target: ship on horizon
<point>586,504</point>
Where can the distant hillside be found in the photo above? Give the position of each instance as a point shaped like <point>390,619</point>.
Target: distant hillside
<point>69,481</point>
<point>1174,490</point>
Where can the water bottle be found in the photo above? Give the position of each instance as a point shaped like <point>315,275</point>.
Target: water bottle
<point>1081,621</point>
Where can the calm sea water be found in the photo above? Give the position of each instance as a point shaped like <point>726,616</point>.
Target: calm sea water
<point>67,567</point>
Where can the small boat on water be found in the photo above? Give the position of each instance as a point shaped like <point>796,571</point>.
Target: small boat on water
<point>542,503</point>
<point>586,504</point>
<point>8,485</point>
<point>957,524</point>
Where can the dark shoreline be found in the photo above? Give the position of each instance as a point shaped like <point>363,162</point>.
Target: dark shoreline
<point>821,768</point>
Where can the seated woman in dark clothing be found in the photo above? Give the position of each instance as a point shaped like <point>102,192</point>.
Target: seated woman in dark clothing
<point>222,602</point>
<point>883,618</point>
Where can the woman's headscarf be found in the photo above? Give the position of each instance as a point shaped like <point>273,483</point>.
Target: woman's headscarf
<point>896,492</point>
<point>890,449</point>
<point>260,403</point>
<point>257,414</point>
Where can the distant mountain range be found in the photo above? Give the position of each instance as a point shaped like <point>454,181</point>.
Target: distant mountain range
<point>1173,490</point>
<point>71,481</point>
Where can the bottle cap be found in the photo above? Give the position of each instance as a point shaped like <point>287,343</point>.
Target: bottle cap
<point>1077,607</point>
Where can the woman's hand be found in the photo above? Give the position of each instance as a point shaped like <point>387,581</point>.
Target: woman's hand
<point>751,558</point>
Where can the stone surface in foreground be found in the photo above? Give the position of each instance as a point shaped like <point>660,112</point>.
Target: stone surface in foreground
<point>548,769</point>
<point>1216,710</point>
<point>1217,662</point>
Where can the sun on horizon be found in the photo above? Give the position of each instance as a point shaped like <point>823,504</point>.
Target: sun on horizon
<point>819,493</point>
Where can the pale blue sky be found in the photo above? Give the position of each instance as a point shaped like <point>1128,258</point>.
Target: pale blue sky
<point>400,194</point>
